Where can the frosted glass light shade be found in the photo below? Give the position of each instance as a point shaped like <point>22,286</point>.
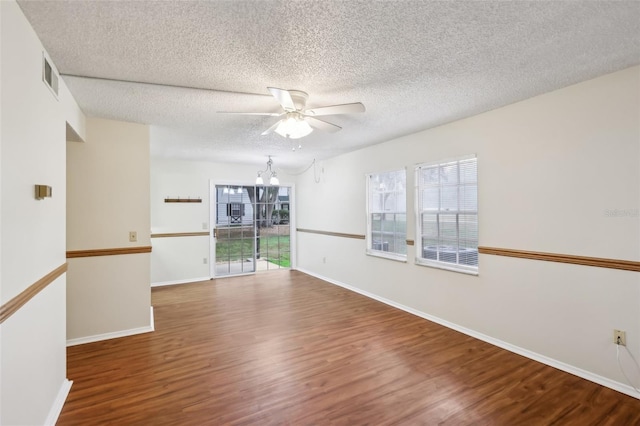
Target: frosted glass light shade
<point>293,128</point>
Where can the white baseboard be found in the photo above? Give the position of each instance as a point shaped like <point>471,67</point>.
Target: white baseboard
<point>612,384</point>
<point>115,334</point>
<point>56,408</point>
<point>190,280</point>
<point>152,319</point>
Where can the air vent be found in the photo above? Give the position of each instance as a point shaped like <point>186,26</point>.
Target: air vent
<point>49,75</point>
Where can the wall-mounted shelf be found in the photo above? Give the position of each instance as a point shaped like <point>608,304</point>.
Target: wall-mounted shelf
<point>183,200</point>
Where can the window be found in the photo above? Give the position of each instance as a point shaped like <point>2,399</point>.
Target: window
<point>447,222</point>
<point>235,211</point>
<point>387,214</point>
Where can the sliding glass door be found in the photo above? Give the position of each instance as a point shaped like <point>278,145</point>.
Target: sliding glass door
<point>251,229</point>
<point>273,210</point>
<point>234,235</point>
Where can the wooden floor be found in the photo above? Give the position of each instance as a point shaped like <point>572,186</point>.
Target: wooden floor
<point>285,348</point>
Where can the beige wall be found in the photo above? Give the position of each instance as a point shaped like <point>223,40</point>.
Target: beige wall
<point>108,196</point>
<point>33,382</point>
<point>550,170</point>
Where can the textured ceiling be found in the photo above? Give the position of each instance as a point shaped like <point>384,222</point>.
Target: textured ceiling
<point>414,64</point>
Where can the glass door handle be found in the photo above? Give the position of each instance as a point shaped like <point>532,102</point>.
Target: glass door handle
<point>215,232</point>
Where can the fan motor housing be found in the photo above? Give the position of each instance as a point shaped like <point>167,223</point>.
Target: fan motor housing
<point>299,98</point>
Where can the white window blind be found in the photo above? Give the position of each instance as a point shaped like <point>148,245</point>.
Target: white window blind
<point>447,222</point>
<point>387,214</point>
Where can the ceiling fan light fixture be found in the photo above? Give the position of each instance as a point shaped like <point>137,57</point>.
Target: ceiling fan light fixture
<point>300,121</point>
<point>293,127</point>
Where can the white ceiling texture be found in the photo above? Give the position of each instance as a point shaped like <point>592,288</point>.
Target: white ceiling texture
<point>413,64</point>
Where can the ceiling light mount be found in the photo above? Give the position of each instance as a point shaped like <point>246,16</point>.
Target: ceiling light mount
<point>271,174</point>
<point>299,99</point>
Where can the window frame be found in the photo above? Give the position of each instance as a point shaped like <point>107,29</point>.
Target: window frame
<point>419,211</point>
<point>369,213</point>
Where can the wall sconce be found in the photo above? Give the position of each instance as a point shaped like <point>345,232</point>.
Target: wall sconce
<point>42,192</point>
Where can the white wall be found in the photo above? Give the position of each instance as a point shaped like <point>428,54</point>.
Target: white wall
<point>180,259</point>
<point>551,168</point>
<point>32,232</point>
<point>108,196</point>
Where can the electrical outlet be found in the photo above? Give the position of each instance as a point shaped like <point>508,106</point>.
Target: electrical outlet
<point>204,260</point>
<point>133,236</point>
<point>205,226</point>
<point>324,260</point>
<point>620,337</point>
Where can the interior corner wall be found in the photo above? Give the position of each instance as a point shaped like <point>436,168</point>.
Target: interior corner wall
<point>74,116</point>
<point>180,259</point>
<point>558,173</point>
<point>33,382</point>
<point>107,197</point>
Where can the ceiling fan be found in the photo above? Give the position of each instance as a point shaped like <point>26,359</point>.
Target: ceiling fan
<point>299,121</point>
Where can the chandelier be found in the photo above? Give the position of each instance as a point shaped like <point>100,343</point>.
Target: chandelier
<point>271,174</point>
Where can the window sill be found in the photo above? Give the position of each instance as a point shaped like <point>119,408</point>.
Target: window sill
<point>468,270</point>
<point>387,255</point>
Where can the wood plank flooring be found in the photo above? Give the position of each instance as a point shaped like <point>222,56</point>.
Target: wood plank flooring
<point>285,348</point>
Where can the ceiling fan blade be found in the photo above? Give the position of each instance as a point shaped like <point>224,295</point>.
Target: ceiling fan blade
<point>283,97</point>
<point>337,109</point>
<point>270,114</point>
<point>322,125</point>
<point>270,129</point>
